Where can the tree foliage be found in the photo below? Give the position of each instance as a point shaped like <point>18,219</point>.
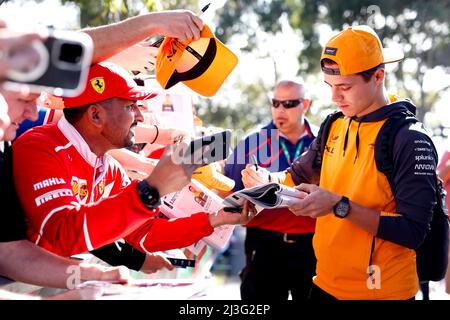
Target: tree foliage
<point>420,28</point>
<point>96,13</point>
<point>251,107</point>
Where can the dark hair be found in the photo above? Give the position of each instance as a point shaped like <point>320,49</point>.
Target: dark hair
<point>367,74</point>
<point>74,115</point>
<point>328,61</point>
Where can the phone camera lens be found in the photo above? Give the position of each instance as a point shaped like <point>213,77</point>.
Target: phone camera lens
<point>70,53</point>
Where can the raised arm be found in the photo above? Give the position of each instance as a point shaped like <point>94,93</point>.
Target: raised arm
<point>112,38</point>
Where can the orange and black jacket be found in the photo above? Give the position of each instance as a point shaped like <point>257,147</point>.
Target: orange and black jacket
<point>343,250</point>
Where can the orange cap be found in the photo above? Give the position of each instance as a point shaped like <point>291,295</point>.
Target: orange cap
<point>202,65</point>
<point>357,49</point>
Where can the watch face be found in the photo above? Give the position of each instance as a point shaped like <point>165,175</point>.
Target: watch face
<point>149,195</point>
<point>341,209</point>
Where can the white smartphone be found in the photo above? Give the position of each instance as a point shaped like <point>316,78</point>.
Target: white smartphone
<point>64,60</point>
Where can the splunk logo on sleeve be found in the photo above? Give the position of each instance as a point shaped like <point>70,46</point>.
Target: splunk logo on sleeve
<point>423,157</point>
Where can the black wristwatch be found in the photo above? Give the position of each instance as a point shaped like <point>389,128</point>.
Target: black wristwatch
<point>342,208</point>
<point>149,195</point>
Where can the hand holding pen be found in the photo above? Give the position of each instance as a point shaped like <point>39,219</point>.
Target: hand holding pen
<point>158,42</point>
<point>254,161</point>
<point>254,174</point>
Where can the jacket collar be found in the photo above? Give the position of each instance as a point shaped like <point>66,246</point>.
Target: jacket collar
<point>78,142</point>
<point>387,111</point>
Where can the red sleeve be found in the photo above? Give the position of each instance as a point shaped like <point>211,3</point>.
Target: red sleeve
<point>444,159</point>
<point>161,234</point>
<point>57,221</point>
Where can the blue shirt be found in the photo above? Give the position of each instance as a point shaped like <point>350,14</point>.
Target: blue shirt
<point>271,150</point>
<point>45,116</point>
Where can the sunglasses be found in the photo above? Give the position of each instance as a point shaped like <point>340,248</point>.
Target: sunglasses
<point>287,104</point>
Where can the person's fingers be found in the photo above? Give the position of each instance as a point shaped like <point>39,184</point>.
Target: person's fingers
<point>306,187</point>
<point>251,210</point>
<point>250,178</point>
<point>120,273</point>
<point>199,24</point>
<point>188,33</point>
<point>249,173</point>
<point>166,263</point>
<point>123,273</point>
<point>245,208</point>
<point>194,32</point>
<point>248,212</point>
<point>182,37</point>
<point>25,57</point>
<point>15,41</point>
<point>304,207</point>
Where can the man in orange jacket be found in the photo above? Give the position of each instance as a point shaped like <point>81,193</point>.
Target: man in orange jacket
<point>366,230</point>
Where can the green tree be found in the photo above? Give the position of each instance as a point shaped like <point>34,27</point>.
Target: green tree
<point>420,28</point>
<point>250,108</point>
<point>96,13</point>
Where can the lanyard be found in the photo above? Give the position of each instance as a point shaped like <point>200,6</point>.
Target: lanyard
<point>286,151</point>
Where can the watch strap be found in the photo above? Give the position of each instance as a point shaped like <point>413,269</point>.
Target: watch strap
<point>149,195</point>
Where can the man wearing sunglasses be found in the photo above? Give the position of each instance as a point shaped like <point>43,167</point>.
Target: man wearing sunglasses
<point>280,257</point>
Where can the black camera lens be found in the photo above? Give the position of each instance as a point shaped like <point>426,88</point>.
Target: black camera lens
<point>70,52</point>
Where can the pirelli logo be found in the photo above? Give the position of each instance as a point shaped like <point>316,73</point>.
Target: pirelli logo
<point>53,195</point>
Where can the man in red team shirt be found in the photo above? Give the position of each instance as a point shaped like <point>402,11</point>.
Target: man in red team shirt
<point>77,198</point>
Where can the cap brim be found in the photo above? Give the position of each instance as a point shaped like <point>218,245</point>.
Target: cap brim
<point>212,79</point>
<point>391,55</point>
<point>138,93</point>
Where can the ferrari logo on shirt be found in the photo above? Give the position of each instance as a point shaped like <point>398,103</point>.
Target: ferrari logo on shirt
<point>98,84</point>
<point>101,187</point>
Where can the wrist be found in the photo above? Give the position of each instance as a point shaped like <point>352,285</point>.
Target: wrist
<point>156,134</point>
<point>148,194</point>
<point>336,199</point>
<point>341,208</point>
<point>152,22</point>
<point>214,220</point>
<point>88,271</point>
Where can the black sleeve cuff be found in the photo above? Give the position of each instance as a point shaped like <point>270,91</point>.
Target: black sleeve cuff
<point>402,231</point>
<point>121,254</point>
